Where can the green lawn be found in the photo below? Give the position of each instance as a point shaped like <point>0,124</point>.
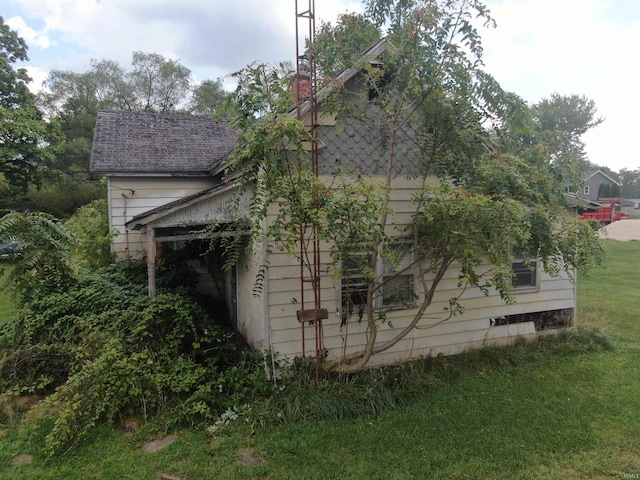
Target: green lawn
<point>6,305</point>
<point>562,416</point>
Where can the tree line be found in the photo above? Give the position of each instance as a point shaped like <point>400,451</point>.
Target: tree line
<point>45,139</point>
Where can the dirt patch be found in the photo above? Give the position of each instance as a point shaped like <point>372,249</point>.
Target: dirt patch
<point>22,459</point>
<point>129,427</point>
<point>249,457</point>
<point>623,230</point>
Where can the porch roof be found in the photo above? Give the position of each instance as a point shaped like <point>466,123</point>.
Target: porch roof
<point>208,206</point>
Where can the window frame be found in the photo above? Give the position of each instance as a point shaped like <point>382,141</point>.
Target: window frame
<point>407,269</point>
<point>384,270</point>
<point>586,190</point>
<point>530,266</point>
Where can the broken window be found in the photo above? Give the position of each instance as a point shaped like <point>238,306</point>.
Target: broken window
<point>397,277</point>
<point>394,276</point>
<point>354,282</point>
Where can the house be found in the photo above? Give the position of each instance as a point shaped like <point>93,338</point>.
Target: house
<point>599,189</point>
<point>596,186</point>
<point>165,182</point>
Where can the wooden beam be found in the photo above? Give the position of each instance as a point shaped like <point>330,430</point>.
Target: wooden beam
<point>199,236</point>
<point>151,261</point>
<point>312,315</point>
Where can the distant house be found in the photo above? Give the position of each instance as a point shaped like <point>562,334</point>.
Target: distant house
<point>165,182</point>
<point>597,185</point>
<point>599,189</point>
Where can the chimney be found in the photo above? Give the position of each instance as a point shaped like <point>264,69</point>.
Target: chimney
<point>301,87</point>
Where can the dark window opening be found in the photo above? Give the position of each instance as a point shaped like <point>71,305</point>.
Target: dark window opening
<point>546,320</point>
<point>525,274</point>
<point>377,85</point>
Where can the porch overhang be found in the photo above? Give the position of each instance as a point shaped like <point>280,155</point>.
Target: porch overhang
<point>215,204</point>
<point>219,204</point>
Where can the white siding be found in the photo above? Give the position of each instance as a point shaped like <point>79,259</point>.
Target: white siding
<point>472,328</point>
<point>270,321</point>
<point>131,196</point>
<point>252,321</point>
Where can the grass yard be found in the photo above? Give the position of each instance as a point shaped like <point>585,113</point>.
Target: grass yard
<point>6,305</point>
<point>550,414</point>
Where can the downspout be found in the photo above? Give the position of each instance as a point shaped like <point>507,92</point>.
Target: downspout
<point>124,214</point>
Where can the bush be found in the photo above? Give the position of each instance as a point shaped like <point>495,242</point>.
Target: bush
<point>90,225</point>
<point>103,351</point>
<point>60,197</point>
<point>44,265</point>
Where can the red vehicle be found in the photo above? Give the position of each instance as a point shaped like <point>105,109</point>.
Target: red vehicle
<point>606,214</point>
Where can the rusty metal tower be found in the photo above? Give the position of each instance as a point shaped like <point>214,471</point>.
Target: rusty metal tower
<point>307,110</point>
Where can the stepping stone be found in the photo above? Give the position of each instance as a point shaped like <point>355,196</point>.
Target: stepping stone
<point>156,445</point>
<point>166,476</point>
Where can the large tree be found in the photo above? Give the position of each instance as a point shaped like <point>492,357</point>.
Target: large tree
<point>339,46</point>
<point>153,83</point>
<point>28,143</point>
<point>210,98</point>
<point>429,100</point>
<point>630,182</point>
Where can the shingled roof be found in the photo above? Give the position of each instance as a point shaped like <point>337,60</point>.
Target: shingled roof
<point>143,142</point>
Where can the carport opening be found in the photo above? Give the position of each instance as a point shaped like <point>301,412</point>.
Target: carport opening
<point>198,265</point>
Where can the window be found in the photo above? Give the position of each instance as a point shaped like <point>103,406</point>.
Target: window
<point>397,289</point>
<point>354,284</point>
<point>586,189</point>
<point>525,278</point>
<point>568,189</point>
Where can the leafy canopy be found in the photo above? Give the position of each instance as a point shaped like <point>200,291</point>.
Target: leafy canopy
<point>27,140</point>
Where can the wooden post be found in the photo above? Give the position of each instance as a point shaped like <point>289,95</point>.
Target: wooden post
<point>151,261</point>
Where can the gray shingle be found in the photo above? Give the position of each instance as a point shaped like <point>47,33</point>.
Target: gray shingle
<point>142,142</point>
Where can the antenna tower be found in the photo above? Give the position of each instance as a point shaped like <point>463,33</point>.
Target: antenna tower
<point>307,110</point>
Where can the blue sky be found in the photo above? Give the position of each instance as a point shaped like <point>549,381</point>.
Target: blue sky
<point>585,47</point>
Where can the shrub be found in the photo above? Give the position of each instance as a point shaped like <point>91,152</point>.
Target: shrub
<point>103,351</point>
<point>44,264</point>
<point>90,225</point>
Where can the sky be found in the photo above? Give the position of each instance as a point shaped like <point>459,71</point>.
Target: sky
<point>540,47</point>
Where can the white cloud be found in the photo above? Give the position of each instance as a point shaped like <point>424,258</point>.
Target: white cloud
<point>38,77</point>
<point>27,33</point>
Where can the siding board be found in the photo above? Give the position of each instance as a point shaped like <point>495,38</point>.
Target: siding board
<point>470,329</point>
